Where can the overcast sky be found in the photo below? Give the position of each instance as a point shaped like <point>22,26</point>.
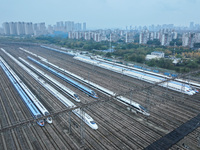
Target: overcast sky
<point>102,13</point>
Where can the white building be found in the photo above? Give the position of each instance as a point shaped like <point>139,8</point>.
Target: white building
<point>144,37</point>
<point>69,26</point>
<point>1,31</point>
<point>188,39</point>
<point>155,55</point>
<point>84,26</point>
<point>129,37</point>
<point>29,28</point>
<point>20,28</point>
<point>13,28</point>
<point>6,28</point>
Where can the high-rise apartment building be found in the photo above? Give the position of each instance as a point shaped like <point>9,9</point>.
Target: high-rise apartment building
<point>84,26</point>
<point>69,25</point>
<point>20,28</point>
<point>13,28</point>
<point>1,31</point>
<point>129,37</point>
<point>188,39</point>
<point>191,25</point>
<point>77,27</point>
<point>144,37</point>
<point>41,26</point>
<point>6,28</point>
<point>29,28</point>
<point>164,40</point>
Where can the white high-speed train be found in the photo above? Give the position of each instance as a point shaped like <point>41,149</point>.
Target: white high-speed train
<point>133,106</point>
<point>173,85</point>
<point>86,118</point>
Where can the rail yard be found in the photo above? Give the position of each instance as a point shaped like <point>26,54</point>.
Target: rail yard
<point>118,127</point>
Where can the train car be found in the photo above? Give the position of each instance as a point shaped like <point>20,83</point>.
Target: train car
<point>133,105</point>
<point>173,85</point>
<point>180,87</point>
<point>67,79</point>
<point>86,118</point>
<point>69,92</point>
<point>56,50</point>
<point>31,107</point>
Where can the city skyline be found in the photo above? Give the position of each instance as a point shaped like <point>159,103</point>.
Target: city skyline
<point>103,13</point>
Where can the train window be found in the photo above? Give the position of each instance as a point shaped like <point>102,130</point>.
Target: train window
<point>92,122</point>
<point>41,122</point>
<point>142,108</point>
<point>87,116</point>
<point>135,107</point>
<point>46,113</point>
<point>38,116</point>
<point>75,95</point>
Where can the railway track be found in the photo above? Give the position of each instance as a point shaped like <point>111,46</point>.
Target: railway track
<point>45,94</point>
<point>136,134</point>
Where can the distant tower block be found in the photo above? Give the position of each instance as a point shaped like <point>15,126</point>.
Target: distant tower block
<point>84,26</point>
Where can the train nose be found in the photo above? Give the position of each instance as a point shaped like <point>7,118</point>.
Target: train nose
<point>95,127</point>
<point>147,114</point>
<point>78,100</point>
<point>49,120</point>
<point>41,123</point>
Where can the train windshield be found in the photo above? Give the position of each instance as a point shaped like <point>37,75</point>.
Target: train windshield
<point>92,122</point>
<point>197,91</point>
<point>46,113</point>
<point>49,118</point>
<point>144,109</point>
<point>38,116</point>
<point>41,122</point>
<point>93,93</point>
<point>76,96</point>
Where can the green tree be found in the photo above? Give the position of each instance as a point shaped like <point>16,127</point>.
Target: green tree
<point>108,54</point>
